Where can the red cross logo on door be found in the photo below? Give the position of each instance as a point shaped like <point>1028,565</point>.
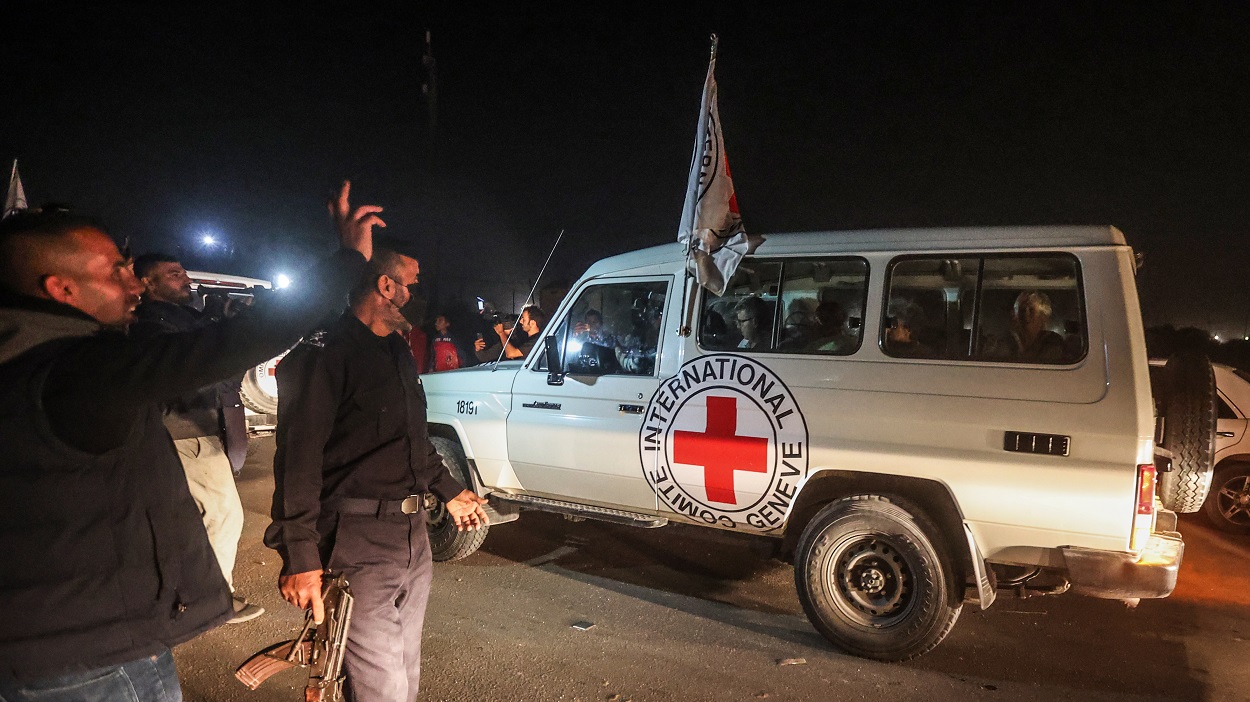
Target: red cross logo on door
<point>720,450</point>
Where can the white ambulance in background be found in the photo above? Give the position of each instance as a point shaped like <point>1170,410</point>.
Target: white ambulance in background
<point>259,388</point>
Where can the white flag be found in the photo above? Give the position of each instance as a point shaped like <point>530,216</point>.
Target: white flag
<point>711,227</point>
<point>15,200</point>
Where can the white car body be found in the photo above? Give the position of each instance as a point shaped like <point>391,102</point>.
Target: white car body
<point>1232,414</point>
<point>263,378</point>
<point>932,429</point>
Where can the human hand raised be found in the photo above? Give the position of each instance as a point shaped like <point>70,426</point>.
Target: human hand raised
<point>304,591</point>
<point>355,226</point>
<point>466,510</point>
<point>479,344</point>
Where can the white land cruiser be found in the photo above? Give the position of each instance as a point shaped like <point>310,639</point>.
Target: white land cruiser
<point>918,417</point>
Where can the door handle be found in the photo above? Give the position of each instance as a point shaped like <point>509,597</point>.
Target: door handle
<point>633,409</point>
<point>1225,434</point>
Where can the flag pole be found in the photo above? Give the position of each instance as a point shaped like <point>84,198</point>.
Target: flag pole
<point>687,299</point>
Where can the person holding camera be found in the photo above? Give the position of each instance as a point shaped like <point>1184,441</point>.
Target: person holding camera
<point>517,342</point>
<point>198,422</point>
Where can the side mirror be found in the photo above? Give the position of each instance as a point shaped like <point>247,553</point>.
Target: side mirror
<point>555,364</point>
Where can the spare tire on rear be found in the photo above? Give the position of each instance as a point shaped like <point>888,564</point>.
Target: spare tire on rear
<point>1188,431</point>
<point>259,389</point>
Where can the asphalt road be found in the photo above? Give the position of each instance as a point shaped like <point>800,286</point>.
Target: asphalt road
<point>683,613</point>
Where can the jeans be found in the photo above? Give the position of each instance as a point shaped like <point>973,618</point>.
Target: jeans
<point>151,679</point>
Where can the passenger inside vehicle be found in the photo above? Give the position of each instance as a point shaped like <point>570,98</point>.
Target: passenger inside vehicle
<point>1031,340</point>
<point>716,332</point>
<point>635,354</point>
<point>754,317</point>
<point>800,325</point>
<point>901,336</point>
<point>830,335</point>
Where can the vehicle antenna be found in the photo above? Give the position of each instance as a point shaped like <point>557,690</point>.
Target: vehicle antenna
<point>528,300</point>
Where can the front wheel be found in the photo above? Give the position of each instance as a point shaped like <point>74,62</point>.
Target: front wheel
<point>446,542</point>
<point>873,582</point>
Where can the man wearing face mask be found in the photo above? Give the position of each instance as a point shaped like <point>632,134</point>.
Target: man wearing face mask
<point>353,466</point>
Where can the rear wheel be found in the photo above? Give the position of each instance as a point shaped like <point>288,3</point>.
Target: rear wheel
<point>1228,505</point>
<point>1188,431</point>
<point>873,580</point>
<point>446,542</point>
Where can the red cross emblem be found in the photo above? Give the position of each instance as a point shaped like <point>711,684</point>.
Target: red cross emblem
<point>720,450</point>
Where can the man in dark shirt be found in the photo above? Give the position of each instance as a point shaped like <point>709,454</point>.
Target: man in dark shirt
<point>197,422</point>
<point>515,343</point>
<point>104,564</point>
<point>352,467</point>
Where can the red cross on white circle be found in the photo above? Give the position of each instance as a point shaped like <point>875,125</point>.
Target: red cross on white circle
<point>720,450</point>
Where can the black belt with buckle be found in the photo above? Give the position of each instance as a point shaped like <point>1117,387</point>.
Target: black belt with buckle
<point>359,505</point>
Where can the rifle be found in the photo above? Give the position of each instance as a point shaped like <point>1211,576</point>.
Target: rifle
<point>322,654</point>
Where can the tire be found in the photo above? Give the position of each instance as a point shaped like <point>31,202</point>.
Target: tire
<point>1188,431</point>
<point>257,391</point>
<point>873,581</point>
<point>1228,504</point>
<point>446,542</point>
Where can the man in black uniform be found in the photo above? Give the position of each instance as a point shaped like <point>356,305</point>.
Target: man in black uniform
<point>104,563</point>
<point>352,465</point>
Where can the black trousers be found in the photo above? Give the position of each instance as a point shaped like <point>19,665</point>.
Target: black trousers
<point>387,563</point>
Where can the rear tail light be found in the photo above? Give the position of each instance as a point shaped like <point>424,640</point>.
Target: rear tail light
<point>1144,514</point>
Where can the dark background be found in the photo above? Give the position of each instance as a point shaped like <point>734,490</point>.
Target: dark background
<point>170,122</point>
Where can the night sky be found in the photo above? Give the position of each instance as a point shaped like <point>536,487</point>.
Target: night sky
<point>172,122</point>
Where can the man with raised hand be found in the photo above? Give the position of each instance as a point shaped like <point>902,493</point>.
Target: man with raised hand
<point>104,562</point>
<point>353,469</point>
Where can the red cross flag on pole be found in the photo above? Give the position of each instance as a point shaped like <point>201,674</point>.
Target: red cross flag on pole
<point>711,227</point>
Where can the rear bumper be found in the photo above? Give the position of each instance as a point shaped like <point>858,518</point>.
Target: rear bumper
<point>1121,576</point>
<point>261,424</point>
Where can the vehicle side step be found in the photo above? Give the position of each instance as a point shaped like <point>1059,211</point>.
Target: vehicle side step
<point>603,514</point>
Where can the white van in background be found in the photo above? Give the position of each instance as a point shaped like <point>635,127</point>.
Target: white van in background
<point>259,388</point>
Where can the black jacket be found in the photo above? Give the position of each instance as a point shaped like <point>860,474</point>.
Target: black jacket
<point>351,423</point>
<point>103,554</point>
<point>198,413</point>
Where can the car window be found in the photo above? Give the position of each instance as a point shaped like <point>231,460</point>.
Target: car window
<point>1223,410</point>
<point>612,329</point>
<point>745,316</point>
<point>822,306</point>
<point>791,305</point>
<point>1009,309</point>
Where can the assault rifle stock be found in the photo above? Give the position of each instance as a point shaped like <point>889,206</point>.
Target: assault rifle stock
<point>322,653</point>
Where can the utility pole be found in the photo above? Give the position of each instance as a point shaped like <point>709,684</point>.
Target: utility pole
<point>429,84</point>
<point>429,96</point>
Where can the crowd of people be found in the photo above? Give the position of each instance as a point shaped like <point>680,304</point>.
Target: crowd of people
<point>119,519</point>
<point>454,340</point>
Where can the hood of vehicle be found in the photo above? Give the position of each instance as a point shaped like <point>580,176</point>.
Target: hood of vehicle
<point>488,377</point>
